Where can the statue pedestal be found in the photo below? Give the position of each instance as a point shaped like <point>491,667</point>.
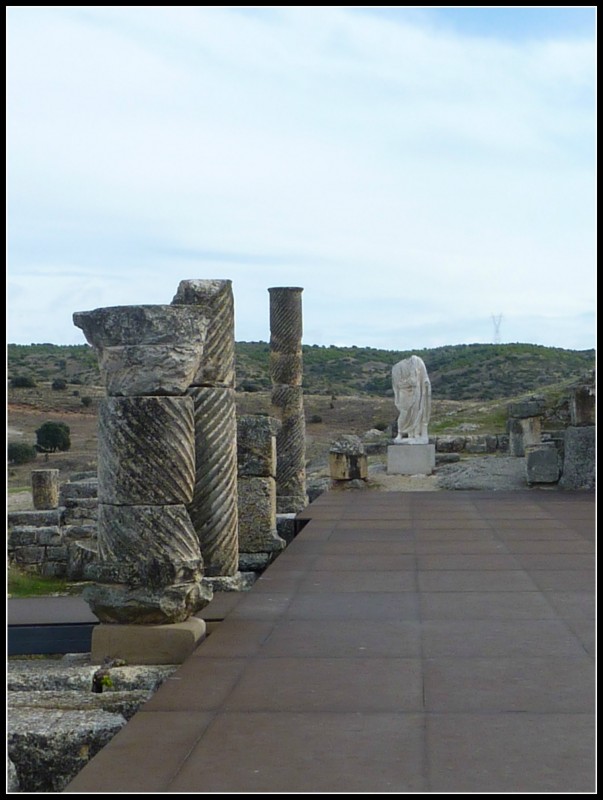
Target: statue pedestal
<point>410,459</point>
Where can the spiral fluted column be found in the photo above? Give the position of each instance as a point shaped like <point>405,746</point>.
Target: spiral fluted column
<point>213,507</point>
<point>286,373</point>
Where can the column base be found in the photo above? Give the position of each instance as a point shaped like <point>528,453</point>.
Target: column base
<point>147,644</point>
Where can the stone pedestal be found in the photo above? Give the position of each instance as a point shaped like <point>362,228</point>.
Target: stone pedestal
<point>147,644</point>
<point>410,459</point>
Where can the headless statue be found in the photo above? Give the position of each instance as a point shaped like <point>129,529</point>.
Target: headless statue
<point>412,396</point>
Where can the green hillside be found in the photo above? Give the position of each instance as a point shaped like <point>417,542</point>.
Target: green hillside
<point>457,372</point>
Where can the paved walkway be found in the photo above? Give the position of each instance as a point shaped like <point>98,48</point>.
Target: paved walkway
<point>404,642</point>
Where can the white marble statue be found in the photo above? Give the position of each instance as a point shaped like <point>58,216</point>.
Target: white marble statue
<point>412,396</point>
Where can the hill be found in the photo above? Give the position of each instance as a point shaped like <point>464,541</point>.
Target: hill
<point>457,372</point>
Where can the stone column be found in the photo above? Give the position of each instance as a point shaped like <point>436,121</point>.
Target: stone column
<point>286,372</point>
<point>213,507</point>
<point>45,488</point>
<point>150,564</point>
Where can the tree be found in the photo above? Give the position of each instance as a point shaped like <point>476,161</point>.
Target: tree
<point>53,436</point>
<point>59,383</point>
<point>20,453</point>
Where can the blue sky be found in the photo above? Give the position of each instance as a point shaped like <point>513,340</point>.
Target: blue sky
<point>417,170</point>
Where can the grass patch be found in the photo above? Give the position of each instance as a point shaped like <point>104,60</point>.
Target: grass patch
<point>25,584</point>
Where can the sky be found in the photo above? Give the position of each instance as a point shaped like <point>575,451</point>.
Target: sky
<point>423,173</point>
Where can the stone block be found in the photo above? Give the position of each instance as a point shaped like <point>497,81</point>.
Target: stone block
<point>542,463</point>
<point>256,445</point>
<point>582,406</point>
<point>147,644</point>
<point>532,407</point>
<point>79,489</point>
<point>450,444</point>
<point>347,466</point>
<point>45,488</point>
<point>257,515</point>
<point>523,432</point>
<point>579,459</point>
<point>410,459</point>
<point>35,518</point>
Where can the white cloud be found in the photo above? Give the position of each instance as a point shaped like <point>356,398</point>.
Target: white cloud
<point>361,159</point>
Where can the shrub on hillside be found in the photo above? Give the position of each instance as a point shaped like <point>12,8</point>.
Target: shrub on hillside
<point>20,453</point>
<point>86,401</point>
<point>59,383</point>
<point>22,382</point>
<point>53,436</point>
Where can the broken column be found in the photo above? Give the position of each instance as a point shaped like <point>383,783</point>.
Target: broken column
<point>150,564</point>
<point>524,425</point>
<point>213,508</point>
<point>256,446</point>
<point>286,372</point>
<point>45,489</point>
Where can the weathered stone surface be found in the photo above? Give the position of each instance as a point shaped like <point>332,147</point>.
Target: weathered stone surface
<point>50,747</point>
<point>290,464</point>
<point>286,322</point>
<point>254,561</point>
<point>215,299</point>
<point>213,509</point>
<point>35,518</point>
<point>146,350</point>
<point>81,556</point>
<point>579,461</point>
<point>348,445</point>
<point>291,503</point>
<point>256,445</point>
<point>12,780</point>
<point>241,582</point>
<point>285,523</point>
<point>45,488</point>
<point>348,466</point>
<point>146,452</point>
<point>450,444</point>
<point>75,490</point>
<point>147,537</point>
<point>523,432</point>
<point>146,644</point>
<point>287,368</point>
<point>125,703</point>
<point>582,406</point>
<point>447,458</point>
<point>257,515</point>
<point>119,603</point>
<point>542,463</point>
<point>532,407</point>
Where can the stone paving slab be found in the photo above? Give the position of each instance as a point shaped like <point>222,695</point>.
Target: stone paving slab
<point>406,642</point>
